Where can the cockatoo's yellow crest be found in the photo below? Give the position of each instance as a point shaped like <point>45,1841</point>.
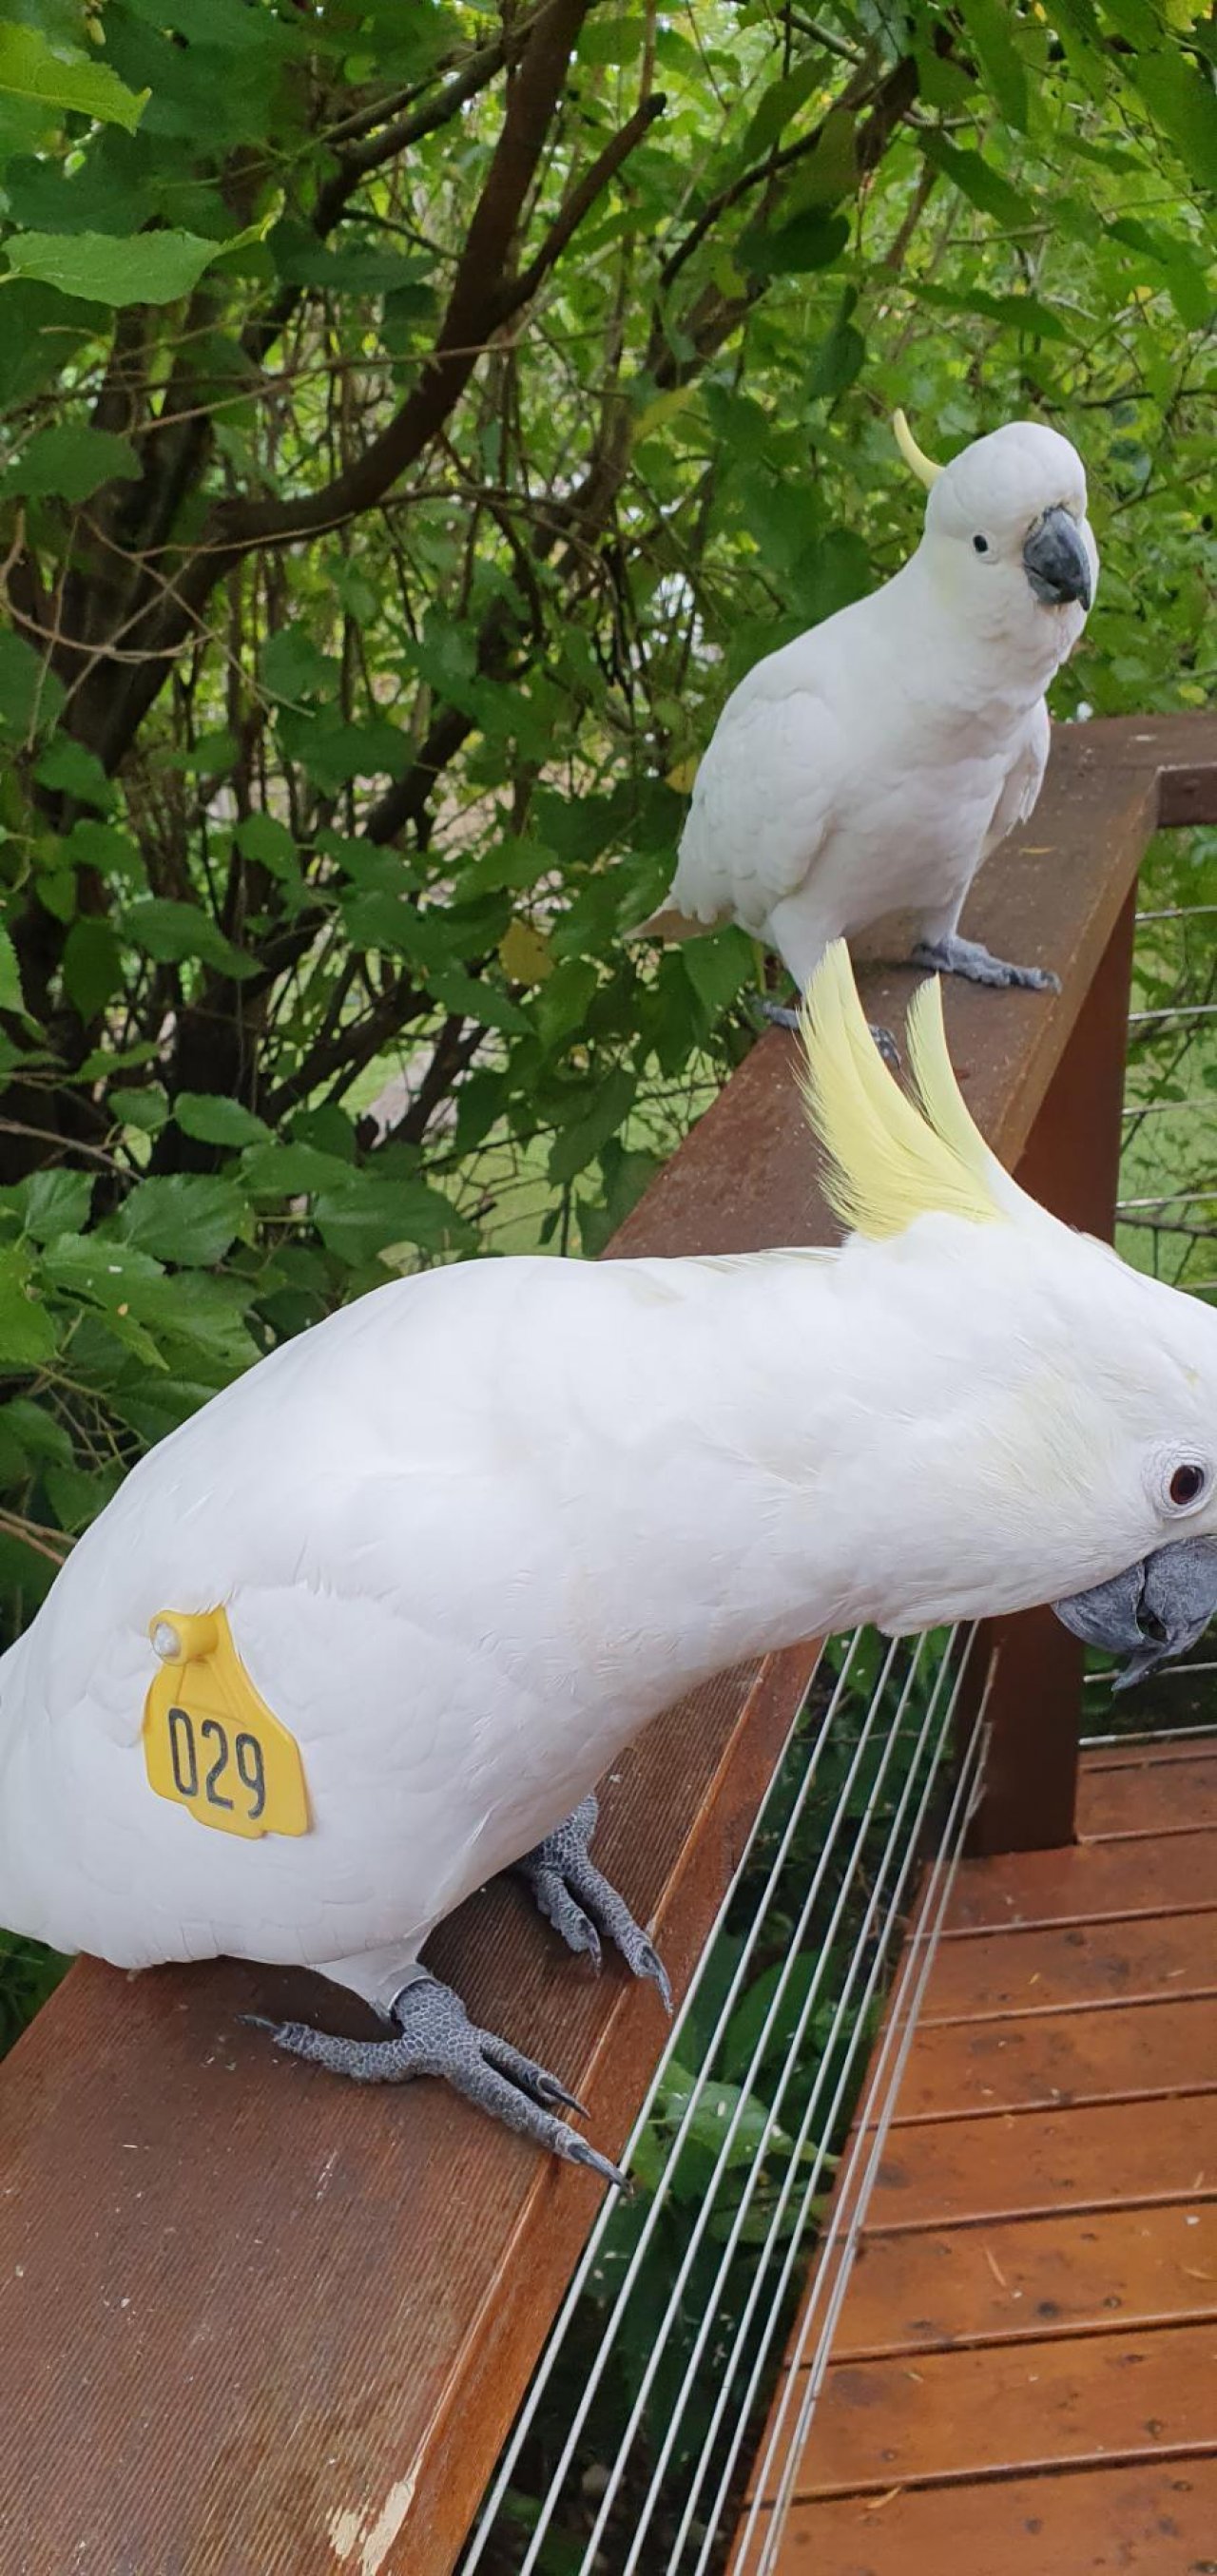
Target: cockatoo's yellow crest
<point>890,1160</point>
<point>915,457</point>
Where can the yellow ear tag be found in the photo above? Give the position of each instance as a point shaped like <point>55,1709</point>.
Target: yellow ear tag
<point>210,1742</point>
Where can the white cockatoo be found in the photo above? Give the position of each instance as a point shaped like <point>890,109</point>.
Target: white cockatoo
<point>370,1626</point>
<point>870,766</point>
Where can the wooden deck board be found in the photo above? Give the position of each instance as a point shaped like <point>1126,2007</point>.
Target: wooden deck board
<point>1102,1964</point>
<point>1025,2365</point>
<point>1088,1883</point>
<point>1071,2057</point>
<point>1031,2277</point>
<point>1143,1798</point>
<point>1148,2521</point>
<point>1013,2407</point>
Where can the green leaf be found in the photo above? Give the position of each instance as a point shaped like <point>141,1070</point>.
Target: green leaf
<point>30,695</point>
<point>334,753</point>
<point>718,968</point>
<point>610,1106</point>
<point>270,845</point>
<point>1014,312</point>
<point>76,772</point>
<point>70,462</point>
<point>375,1215</point>
<point>717,2105</point>
<point>92,965</point>
<point>104,268</point>
<point>11,996</point>
<point>27,1334</point>
<point>291,1171</point>
<point>982,185</point>
<point>801,1975</point>
<point>473,997</point>
<point>294,667</point>
<point>103,847</point>
<point>55,1202</point>
<point>183,1217</point>
<point>778,104</point>
<point>30,69</point>
<point>1184,103</point>
<point>216,1120</point>
<point>811,241</point>
<point>147,1110</point>
<point>839,358</point>
<point>988,24</point>
<point>174,932</point>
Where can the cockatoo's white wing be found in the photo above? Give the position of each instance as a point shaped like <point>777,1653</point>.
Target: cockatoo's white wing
<point>1023,781</point>
<point>763,797</point>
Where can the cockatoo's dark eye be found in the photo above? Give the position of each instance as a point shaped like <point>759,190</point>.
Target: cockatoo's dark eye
<point>1187,1485</point>
<point>981,545</point>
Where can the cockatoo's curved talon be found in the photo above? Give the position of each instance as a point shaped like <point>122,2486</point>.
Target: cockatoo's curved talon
<point>578,1900</point>
<point>434,2036</point>
<point>887,1046</point>
<point>578,2152</point>
<point>779,1012</point>
<point>971,959</point>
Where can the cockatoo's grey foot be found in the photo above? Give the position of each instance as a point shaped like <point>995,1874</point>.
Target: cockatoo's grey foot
<point>577,1899</point>
<point>436,2037</point>
<point>970,958</point>
<point>784,1018</point>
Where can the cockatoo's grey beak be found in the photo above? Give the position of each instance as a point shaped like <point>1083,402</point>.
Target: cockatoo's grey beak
<point>1158,1607</point>
<point>1056,562</point>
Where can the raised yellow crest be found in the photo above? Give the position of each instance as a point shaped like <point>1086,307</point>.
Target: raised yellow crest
<point>891,1159</point>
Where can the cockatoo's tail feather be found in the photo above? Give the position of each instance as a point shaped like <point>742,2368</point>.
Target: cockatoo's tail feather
<point>944,1104</point>
<point>888,1161</point>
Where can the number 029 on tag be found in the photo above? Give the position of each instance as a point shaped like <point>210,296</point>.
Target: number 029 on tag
<point>211,1744</point>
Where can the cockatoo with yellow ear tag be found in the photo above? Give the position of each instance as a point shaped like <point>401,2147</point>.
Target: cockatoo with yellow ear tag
<point>870,766</point>
<point>371,1625</point>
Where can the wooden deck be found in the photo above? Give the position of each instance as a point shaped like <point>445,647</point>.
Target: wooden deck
<point>1024,2375</point>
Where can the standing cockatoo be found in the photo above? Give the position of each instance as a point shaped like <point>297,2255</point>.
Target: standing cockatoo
<point>870,766</point>
<point>371,1624</point>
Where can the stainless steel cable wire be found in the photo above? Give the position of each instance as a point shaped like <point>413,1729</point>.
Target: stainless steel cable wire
<point>660,2195</point>
<point>889,1902</point>
<point>850,1850</point>
<point>722,2164</point>
<point>545,2371</point>
<point>873,2124</point>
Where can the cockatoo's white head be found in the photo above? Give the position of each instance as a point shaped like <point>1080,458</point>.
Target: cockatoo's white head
<point>1068,1411</point>
<point>1006,533</point>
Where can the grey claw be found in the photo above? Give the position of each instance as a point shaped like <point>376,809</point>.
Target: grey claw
<point>971,959</point>
<point>434,2036</point>
<point>580,1903</point>
<point>780,1013</point>
<point>785,1018</point>
<point>650,1965</point>
<point>578,2152</point>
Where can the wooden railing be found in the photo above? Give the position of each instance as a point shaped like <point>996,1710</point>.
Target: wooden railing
<point>255,2322</point>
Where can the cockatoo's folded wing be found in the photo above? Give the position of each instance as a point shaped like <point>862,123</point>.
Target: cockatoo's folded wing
<point>1022,782</point>
<point>762,804</point>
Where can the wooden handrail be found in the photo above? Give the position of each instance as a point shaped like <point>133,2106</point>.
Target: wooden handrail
<point>255,2322</point>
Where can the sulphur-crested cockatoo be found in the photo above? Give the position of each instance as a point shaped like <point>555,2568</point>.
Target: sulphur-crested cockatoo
<point>372,1624</point>
<point>870,766</point>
